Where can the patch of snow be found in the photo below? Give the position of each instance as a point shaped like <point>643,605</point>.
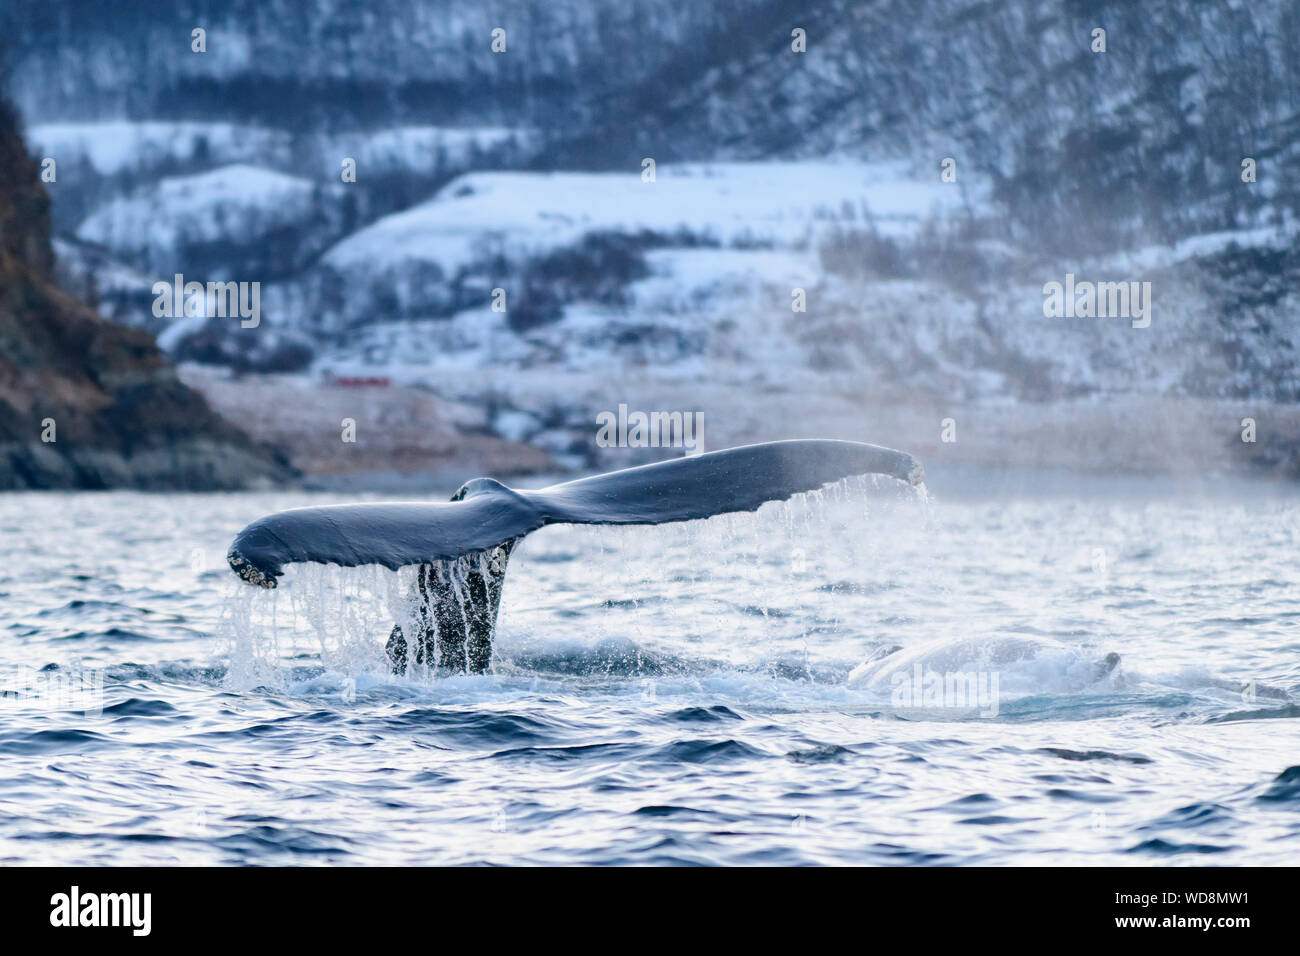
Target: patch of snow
<point>734,204</point>
<point>514,424</point>
<point>236,204</point>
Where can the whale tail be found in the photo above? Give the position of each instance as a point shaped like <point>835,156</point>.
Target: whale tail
<point>461,547</point>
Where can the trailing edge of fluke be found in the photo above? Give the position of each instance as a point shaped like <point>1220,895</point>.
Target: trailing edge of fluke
<point>485,514</point>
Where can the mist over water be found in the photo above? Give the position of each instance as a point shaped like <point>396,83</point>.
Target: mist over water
<point>725,691</point>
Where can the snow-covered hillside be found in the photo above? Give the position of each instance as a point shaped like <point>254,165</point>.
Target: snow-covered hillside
<point>486,230</point>
<point>881,209</point>
<point>219,223</point>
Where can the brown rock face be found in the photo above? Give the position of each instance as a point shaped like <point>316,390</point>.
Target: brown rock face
<point>120,416</point>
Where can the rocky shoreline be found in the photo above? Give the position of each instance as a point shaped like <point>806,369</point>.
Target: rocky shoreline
<point>412,438</point>
<point>85,403</point>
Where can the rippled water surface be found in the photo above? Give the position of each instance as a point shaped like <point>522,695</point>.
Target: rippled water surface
<point>716,692</point>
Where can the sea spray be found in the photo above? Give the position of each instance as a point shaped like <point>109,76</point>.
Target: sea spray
<point>681,598</point>
<point>320,619</point>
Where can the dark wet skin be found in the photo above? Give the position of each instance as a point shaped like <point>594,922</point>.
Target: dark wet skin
<point>452,634</point>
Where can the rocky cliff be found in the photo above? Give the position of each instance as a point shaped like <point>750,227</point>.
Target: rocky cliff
<point>83,402</point>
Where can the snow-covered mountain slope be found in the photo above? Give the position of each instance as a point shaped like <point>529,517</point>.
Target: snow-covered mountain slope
<point>221,224</point>
<point>726,317</point>
<point>777,170</point>
<point>730,203</point>
<point>1139,141</point>
<point>1133,135</point>
<point>485,230</point>
<point>98,162</point>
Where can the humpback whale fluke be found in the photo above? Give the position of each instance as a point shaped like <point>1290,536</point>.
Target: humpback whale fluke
<point>461,546</point>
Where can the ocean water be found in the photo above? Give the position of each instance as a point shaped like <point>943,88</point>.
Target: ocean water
<point>869,675</point>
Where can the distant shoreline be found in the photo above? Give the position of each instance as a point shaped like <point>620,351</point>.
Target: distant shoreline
<point>410,437</point>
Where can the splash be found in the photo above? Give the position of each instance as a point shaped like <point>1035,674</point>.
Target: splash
<point>325,619</point>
